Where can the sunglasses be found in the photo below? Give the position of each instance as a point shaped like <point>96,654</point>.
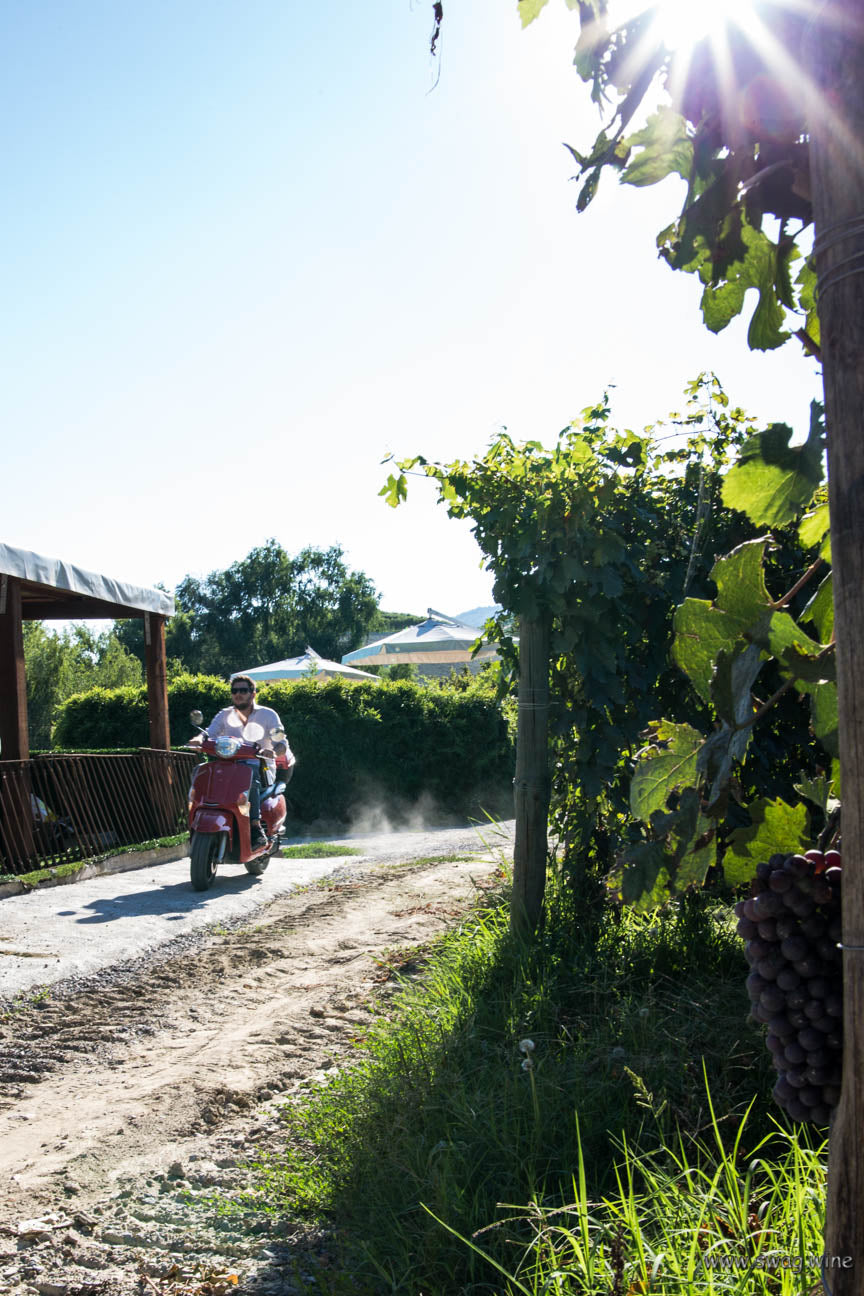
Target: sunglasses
<point>242,688</point>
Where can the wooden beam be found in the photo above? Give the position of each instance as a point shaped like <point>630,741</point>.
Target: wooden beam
<point>157,680</point>
<point>72,609</point>
<point>836,56</point>
<point>531,785</point>
<point>14,740</point>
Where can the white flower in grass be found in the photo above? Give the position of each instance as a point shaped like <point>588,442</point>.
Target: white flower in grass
<point>526,1046</point>
<point>528,1065</point>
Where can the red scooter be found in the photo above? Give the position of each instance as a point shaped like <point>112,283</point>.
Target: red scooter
<point>219,828</point>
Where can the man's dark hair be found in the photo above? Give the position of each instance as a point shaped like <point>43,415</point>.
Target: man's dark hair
<point>244,679</point>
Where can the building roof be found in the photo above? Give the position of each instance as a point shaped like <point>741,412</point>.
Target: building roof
<point>52,588</point>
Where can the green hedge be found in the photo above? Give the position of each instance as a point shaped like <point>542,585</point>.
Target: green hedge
<point>363,750</point>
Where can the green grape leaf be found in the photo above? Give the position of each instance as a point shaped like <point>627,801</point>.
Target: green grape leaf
<point>772,481</point>
<point>641,878</point>
<point>657,777</point>
<point>703,630</point>
<point>732,684</point>
<point>776,828</point>
<point>820,609</point>
<point>395,490</point>
<point>695,863</point>
<point>740,581</point>
<point>813,526</point>
<point>818,790</point>
<point>717,757</point>
<point>529,10</point>
<point>664,147</point>
<point>799,656</point>
<point>823,716</point>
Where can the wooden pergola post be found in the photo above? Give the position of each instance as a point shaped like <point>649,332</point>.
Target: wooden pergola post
<point>531,785</point>
<point>14,740</point>
<point>836,63</point>
<point>157,680</point>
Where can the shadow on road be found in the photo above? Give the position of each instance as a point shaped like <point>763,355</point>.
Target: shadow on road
<point>172,901</point>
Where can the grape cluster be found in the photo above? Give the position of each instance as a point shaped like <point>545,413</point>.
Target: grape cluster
<point>791,923</point>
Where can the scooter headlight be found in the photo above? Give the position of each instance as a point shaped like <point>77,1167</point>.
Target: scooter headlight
<point>227,746</point>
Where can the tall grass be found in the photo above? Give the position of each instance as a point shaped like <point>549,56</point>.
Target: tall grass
<point>621,1166</point>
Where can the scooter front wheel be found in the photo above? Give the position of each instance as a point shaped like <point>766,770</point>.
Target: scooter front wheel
<point>257,866</point>
<point>204,858</point>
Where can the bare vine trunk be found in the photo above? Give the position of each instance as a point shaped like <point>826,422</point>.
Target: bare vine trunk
<point>836,61</point>
<point>531,786</point>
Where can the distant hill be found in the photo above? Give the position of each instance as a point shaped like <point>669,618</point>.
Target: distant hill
<point>478,615</point>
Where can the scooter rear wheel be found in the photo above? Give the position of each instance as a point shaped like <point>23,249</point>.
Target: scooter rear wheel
<point>204,857</point>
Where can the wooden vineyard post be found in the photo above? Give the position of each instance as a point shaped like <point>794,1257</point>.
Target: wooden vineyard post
<point>836,62</point>
<point>157,681</point>
<point>531,785</point>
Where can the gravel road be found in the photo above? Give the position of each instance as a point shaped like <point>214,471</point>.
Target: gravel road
<point>143,1063</point>
<point>63,932</point>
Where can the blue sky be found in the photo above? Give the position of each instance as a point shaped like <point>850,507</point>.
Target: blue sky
<point>247,250</point>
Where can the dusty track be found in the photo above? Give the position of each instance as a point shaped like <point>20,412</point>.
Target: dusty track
<point>124,1105</point>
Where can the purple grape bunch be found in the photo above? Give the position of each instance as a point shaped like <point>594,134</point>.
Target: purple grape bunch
<point>791,925</point>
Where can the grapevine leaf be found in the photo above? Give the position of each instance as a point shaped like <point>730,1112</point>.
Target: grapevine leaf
<point>772,480</point>
<point>395,490</point>
<point>664,147</point>
<point>819,791</point>
<point>740,581</point>
<point>732,684</point>
<point>695,863</point>
<point>813,526</point>
<point>529,10</point>
<point>703,631</point>
<point>657,777</point>
<point>820,609</point>
<point>798,655</point>
<point>641,878</point>
<point>807,299</point>
<point>717,757</point>
<point>777,828</point>
<point>823,715</point>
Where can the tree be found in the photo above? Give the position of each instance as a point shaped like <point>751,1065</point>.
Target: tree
<point>59,665</point>
<point>266,607</point>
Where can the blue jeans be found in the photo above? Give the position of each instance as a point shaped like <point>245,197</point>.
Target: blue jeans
<point>254,790</point>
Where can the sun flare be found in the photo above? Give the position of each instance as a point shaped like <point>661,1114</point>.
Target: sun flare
<point>681,23</point>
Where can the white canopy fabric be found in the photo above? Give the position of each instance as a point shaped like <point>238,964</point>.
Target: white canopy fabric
<point>307,665</point>
<point>56,574</point>
<point>439,640</point>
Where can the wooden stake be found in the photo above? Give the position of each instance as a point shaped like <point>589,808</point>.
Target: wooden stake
<point>531,785</point>
<point>836,57</point>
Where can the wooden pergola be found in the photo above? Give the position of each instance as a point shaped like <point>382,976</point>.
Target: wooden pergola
<point>35,588</point>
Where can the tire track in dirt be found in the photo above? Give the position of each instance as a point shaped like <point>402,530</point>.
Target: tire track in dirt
<point>124,1105</point>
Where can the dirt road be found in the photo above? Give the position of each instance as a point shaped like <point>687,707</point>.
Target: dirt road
<point>131,1096</point>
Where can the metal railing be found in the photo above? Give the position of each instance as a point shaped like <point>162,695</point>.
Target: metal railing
<point>64,807</point>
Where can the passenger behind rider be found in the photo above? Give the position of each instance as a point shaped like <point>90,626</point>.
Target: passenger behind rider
<point>245,719</point>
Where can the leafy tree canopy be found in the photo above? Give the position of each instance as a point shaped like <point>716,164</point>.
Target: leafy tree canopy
<point>266,607</point>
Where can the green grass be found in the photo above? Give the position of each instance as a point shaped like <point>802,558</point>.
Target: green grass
<point>317,850</point>
<point>604,1154</point>
<point>71,867</point>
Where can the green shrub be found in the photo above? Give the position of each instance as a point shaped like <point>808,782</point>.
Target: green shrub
<point>363,750</point>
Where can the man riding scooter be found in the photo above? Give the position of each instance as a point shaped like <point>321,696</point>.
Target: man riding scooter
<point>245,719</point>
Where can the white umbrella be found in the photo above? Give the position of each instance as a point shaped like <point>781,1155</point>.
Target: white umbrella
<point>439,640</point>
<point>308,665</point>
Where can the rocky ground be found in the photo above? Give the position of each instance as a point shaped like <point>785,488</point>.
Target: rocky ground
<point>133,1100</point>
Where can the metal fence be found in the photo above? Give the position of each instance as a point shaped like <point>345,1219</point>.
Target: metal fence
<point>65,807</point>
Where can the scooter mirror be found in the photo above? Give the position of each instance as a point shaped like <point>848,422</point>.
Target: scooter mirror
<point>277,735</point>
<point>196,717</point>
